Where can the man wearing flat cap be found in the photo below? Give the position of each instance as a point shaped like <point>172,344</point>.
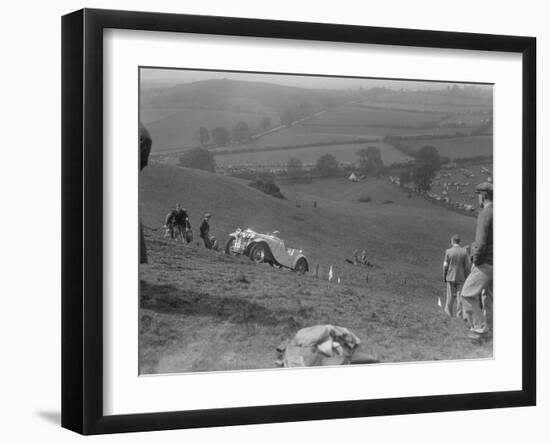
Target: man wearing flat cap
<point>477,292</point>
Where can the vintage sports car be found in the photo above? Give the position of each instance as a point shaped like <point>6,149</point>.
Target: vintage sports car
<point>268,248</point>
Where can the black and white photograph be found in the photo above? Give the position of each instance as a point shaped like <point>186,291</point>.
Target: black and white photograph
<point>291,221</point>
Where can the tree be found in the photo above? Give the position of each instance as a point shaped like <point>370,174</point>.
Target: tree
<point>287,118</point>
<point>428,162</point>
<point>220,136</point>
<point>423,175</point>
<point>294,167</point>
<point>204,135</point>
<point>430,155</point>
<point>240,133</point>
<point>265,123</point>
<point>370,160</point>
<point>327,165</point>
<point>198,158</point>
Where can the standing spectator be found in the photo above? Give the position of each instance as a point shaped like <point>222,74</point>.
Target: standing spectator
<point>456,268</point>
<point>205,231</point>
<point>181,223</point>
<point>145,143</point>
<point>169,223</point>
<point>477,293</point>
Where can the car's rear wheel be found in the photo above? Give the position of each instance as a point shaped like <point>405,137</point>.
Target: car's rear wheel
<point>229,246</point>
<point>301,266</point>
<point>259,253</point>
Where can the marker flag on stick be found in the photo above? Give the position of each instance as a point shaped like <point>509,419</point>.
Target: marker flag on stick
<point>330,273</point>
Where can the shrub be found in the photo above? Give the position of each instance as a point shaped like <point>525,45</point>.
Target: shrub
<point>327,165</point>
<point>198,158</point>
<point>365,199</point>
<point>267,187</point>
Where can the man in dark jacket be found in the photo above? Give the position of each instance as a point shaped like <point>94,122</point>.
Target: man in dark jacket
<point>477,293</point>
<point>181,222</point>
<point>145,143</point>
<point>169,223</point>
<point>205,231</point>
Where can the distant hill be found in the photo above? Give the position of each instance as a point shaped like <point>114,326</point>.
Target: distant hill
<point>174,114</point>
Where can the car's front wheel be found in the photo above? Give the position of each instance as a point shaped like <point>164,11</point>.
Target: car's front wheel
<point>229,246</point>
<point>301,266</point>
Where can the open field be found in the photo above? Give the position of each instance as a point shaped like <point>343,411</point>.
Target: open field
<point>435,99</point>
<point>309,155</point>
<point>468,120</point>
<point>223,103</point>
<point>422,107</point>
<point>356,116</point>
<point>180,129</point>
<point>201,310</point>
<point>376,131</point>
<point>458,147</point>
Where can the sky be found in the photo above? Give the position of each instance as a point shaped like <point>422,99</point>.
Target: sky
<point>168,77</point>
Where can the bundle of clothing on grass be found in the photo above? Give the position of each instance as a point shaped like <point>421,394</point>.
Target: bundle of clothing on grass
<point>322,345</point>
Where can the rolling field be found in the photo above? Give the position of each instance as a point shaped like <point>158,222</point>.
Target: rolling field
<point>355,116</point>
<point>459,147</point>
<point>303,133</point>
<point>180,129</point>
<point>201,310</point>
<point>434,99</point>
<point>343,153</point>
<point>468,120</point>
<point>174,115</point>
<point>423,107</point>
<point>376,131</point>
<point>222,103</point>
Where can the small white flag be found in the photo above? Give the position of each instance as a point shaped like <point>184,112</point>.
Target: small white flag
<point>330,273</point>
<point>338,280</point>
<point>439,301</point>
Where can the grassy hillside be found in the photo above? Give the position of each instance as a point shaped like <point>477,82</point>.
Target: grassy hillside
<point>456,147</point>
<point>202,310</point>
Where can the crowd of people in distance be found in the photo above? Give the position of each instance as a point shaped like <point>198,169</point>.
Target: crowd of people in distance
<point>178,226</point>
<point>468,273</point>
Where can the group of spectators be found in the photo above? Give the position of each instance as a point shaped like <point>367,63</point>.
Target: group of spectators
<point>178,226</point>
<point>469,273</point>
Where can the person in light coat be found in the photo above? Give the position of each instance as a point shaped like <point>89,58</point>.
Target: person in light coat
<point>456,267</point>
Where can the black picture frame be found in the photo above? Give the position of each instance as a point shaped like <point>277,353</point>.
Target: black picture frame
<point>82,219</point>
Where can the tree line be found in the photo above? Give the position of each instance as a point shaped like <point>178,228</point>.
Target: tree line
<point>369,163</point>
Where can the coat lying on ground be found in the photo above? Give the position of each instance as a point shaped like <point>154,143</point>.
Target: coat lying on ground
<point>322,345</point>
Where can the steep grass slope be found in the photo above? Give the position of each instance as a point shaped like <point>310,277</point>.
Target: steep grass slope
<point>405,240</point>
<point>405,232</point>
